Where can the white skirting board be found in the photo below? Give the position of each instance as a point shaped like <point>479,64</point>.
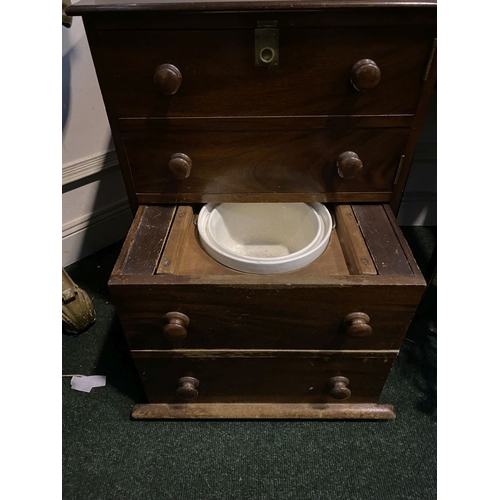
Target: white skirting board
<point>85,167</point>
<point>96,212</point>
<point>89,234</point>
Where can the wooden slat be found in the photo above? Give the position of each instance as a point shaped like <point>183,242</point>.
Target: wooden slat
<point>356,253</point>
<point>332,262</point>
<point>404,244</point>
<point>262,411</point>
<point>381,240</point>
<point>149,237</point>
<point>272,281</point>
<point>128,241</point>
<point>176,246</point>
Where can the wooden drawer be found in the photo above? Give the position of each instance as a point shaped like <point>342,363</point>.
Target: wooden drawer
<point>260,377</point>
<point>271,318</point>
<point>367,269</point>
<point>220,78</point>
<point>252,160</point>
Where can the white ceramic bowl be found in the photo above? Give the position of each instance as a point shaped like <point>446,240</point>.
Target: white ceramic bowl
<point>264,238</point>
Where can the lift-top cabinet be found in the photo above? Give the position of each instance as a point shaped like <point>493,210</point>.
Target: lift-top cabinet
<point>264,101</point>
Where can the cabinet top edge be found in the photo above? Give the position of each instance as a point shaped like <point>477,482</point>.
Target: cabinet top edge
<point>94,6</point>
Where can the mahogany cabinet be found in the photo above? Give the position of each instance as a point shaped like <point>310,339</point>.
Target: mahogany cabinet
<point>264,101</point>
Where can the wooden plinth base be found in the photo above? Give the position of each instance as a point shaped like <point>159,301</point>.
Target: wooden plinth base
<point>262,411</point>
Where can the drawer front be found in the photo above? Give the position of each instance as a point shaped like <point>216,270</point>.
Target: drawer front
<point>232,163</point>
<point>216,73</point>
<point>243,376</point>
<point>276,317</point>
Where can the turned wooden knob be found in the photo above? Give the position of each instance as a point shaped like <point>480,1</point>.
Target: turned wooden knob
<point>175,326</point>
<point>365,75</point>
<point>168,79</point>
<point>348,164</point>
<point>339,389</point>
<point>357,324</point>
<point>187,388</point>
<point>180,165</point>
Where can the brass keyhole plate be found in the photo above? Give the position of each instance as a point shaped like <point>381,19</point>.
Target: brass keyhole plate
<point>267,45</point>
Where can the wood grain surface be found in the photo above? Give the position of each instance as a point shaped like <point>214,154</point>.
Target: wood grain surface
<point>146,242</point>
<point>402,241</point>
<point>287,411</point>
<point>357,255</point>
<point>272,162</point>
<point>295,317</point>
<point>381,240</point>
<point>298,377</point>
<point>217,66</point>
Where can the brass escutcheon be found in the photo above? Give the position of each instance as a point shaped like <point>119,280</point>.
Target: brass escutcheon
<point>267,43</point>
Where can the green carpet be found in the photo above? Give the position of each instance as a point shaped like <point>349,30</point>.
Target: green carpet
<point>110,457</point>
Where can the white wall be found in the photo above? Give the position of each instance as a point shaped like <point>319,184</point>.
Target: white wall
<point>85,129</point>
<point>94,203</point>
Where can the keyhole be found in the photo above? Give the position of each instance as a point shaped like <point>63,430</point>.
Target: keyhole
<point>267,55</point>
